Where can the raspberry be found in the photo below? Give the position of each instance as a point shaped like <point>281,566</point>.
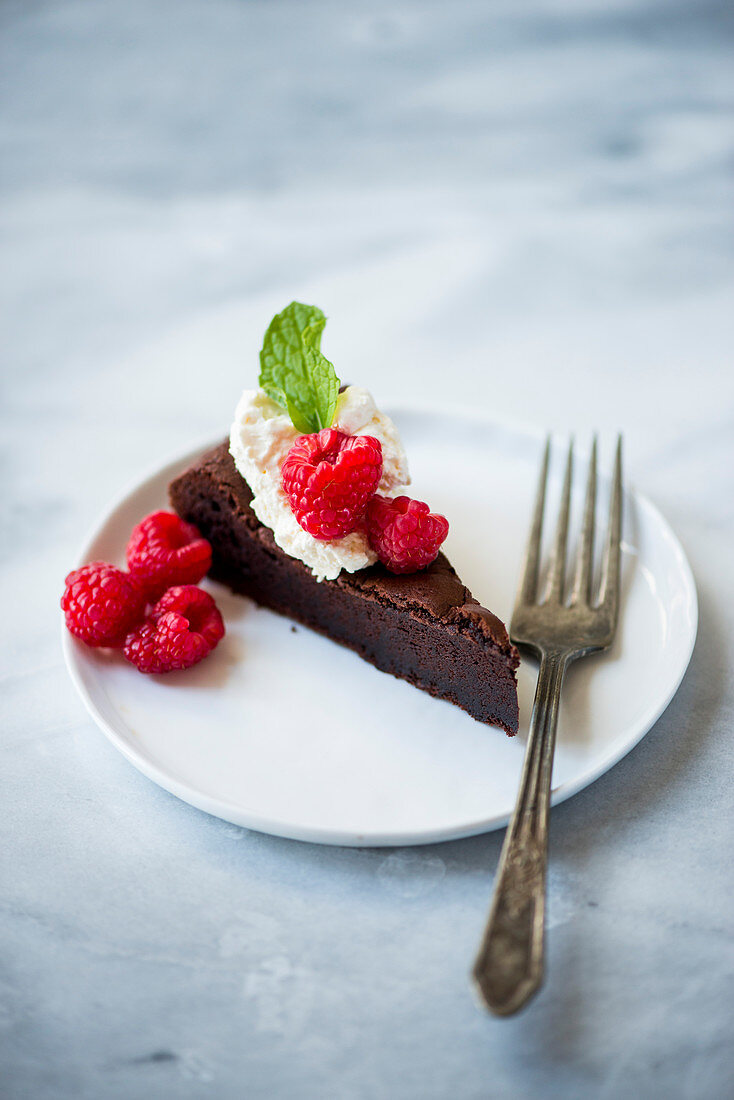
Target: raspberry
<point>181,629</point>
<point>165,551</point>
<point>404,533</point>
<point>102,604</point>
<point>328,478</point>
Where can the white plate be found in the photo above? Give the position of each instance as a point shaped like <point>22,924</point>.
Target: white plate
<point>283,731</point>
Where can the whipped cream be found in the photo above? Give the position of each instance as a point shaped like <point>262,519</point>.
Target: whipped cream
<point>260,438</point>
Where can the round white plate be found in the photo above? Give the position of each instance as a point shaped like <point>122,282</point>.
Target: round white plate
<point>283,731</point>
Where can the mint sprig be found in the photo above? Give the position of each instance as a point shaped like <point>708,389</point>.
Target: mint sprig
<point>293,370</point>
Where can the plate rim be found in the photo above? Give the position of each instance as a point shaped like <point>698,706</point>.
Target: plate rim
<point>74,653</point>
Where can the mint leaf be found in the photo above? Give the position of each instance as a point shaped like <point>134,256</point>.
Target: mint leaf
<point>293,370</point>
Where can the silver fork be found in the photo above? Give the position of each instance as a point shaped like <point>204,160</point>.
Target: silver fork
<point>509,966</point>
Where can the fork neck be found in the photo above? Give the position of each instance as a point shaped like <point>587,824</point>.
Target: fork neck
<point>534,795</point>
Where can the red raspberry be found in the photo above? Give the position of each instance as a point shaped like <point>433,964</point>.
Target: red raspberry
<point>164,551</point>
<point>328,478</point>
<point>404,533</point>
<point>181,629</point>
<point>102,604</point>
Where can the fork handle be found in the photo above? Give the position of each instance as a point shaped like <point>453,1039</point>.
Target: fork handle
<point>509,967</point>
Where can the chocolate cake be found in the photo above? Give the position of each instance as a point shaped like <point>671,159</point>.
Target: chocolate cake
<point>423,627</point>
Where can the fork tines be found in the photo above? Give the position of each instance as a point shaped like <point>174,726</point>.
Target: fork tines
<point>582,590</point>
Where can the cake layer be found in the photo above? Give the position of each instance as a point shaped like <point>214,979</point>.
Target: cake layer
<point>423,627</point>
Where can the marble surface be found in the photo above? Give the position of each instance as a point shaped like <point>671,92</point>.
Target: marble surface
<point>534,203</point>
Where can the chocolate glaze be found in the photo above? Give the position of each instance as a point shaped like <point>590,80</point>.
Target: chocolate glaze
<point>425,627</point>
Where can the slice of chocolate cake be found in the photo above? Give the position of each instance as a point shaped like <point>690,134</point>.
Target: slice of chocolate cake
<point>423,627</point>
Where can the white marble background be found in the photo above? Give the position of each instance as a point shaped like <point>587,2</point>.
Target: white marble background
<point>538,198</point>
